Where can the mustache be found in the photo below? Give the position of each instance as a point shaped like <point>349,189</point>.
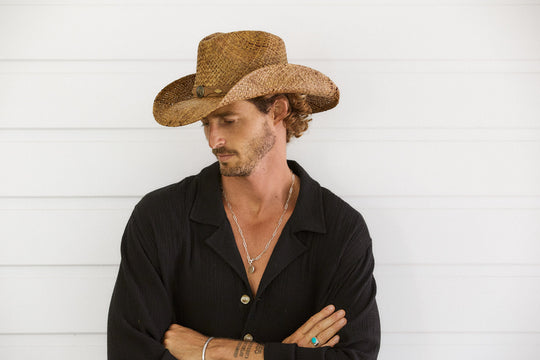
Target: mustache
<point>222,150</point>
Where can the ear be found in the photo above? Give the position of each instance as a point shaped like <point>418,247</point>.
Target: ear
<point>281,109</point>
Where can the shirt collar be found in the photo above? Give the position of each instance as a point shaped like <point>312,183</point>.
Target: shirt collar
<point>308,214</point>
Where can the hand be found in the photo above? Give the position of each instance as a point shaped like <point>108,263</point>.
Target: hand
<point>324,325</point>
<point>184,343</point>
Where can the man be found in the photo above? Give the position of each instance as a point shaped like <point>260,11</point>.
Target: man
<point>250,258</point>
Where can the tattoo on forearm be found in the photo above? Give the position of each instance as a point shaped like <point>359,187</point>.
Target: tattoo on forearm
<point>243,349</point>
<point>237,349</point>
<point>240,348</point>
<point>248,349</point>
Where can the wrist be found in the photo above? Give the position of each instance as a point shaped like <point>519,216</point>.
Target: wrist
<point>205,346</point>
<point>215,349</point>
<point>226,349</point>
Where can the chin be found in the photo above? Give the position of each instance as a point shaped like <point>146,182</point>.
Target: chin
<point>227,170</point>
<point>234,172</point>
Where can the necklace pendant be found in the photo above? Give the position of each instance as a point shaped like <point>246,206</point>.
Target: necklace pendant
<point>251,269</point>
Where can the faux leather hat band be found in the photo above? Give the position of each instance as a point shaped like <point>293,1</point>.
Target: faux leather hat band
<point>206,91</point>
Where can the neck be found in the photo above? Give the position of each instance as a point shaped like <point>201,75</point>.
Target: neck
<point>265,187</point>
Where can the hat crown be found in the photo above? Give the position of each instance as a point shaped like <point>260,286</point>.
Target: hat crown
<point>224,58</point>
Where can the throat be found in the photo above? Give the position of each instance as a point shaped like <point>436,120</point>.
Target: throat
<point>256,235</point>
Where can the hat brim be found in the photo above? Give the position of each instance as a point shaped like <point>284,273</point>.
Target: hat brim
<point>175,104</point>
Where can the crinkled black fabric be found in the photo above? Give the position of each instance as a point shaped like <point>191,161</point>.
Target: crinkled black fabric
<point>180,264</point>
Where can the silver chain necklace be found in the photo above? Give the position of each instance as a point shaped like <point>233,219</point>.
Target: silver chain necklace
<point>251,268</point>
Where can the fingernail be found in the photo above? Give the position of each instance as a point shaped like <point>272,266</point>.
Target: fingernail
<point>330,308</point>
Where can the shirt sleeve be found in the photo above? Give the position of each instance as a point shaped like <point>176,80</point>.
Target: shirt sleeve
<point>353,288</point>
<point>140,311</point>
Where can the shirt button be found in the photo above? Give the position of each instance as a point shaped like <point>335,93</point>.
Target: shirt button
<point>248,337</point>
<point>245,299</point>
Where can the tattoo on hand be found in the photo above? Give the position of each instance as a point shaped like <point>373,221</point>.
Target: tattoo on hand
<point>258,349</point>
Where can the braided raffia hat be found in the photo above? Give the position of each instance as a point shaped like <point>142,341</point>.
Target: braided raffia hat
<point>239,66</point>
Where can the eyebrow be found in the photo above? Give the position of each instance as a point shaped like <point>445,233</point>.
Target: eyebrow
<point>223,114</point>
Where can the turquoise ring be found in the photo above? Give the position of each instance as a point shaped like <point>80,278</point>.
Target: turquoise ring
<point>314,341</point>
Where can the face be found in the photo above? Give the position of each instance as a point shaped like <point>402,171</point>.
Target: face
<point>240,136</point>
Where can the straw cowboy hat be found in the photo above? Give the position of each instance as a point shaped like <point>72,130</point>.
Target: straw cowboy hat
<point>239,66</point>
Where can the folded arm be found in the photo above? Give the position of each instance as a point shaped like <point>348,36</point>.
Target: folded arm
<point>187,344</point>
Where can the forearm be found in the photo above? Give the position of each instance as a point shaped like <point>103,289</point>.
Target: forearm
<point>226,349</point>
<point>323,326</point>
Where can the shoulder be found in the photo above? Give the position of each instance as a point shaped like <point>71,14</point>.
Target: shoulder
<point>339,211</point>
<point>175,199</point>
<point>164,198</point>
<point>343,221</point>
<point>326,212</point>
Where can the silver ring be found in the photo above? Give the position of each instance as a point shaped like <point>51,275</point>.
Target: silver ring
<point>315,341</point>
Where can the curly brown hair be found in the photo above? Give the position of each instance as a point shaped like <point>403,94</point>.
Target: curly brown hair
<point>296,121</point>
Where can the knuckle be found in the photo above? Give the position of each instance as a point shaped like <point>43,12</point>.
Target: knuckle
<point>291,339</point>
<point>339,324</point>
<point>338,314</point>
<point>335,326</point>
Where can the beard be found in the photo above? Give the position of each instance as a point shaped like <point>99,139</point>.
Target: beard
<point>254,151</point>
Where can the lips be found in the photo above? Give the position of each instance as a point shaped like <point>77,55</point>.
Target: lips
<point>222,154</point>
<point>224,157</point>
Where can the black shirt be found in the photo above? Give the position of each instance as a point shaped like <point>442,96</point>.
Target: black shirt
<point>180,264</point>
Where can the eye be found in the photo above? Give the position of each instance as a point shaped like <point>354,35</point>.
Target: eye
<point>229,120</point>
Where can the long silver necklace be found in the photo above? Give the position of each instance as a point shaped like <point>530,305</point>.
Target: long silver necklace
<point>251,267</point>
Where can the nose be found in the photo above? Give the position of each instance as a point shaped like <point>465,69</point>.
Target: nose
<point>214,135</point>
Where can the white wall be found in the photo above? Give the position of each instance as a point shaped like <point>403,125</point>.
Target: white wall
<point>436,141</point>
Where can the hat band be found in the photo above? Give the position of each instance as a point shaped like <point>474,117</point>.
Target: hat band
<point>207,91</point>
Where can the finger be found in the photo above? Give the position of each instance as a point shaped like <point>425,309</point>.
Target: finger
<point>323,330</point>
<point>328,334</point>
<point>166,336</point>
<point>321,315</point>
<point>324,324</point>
<point>333,341</point>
